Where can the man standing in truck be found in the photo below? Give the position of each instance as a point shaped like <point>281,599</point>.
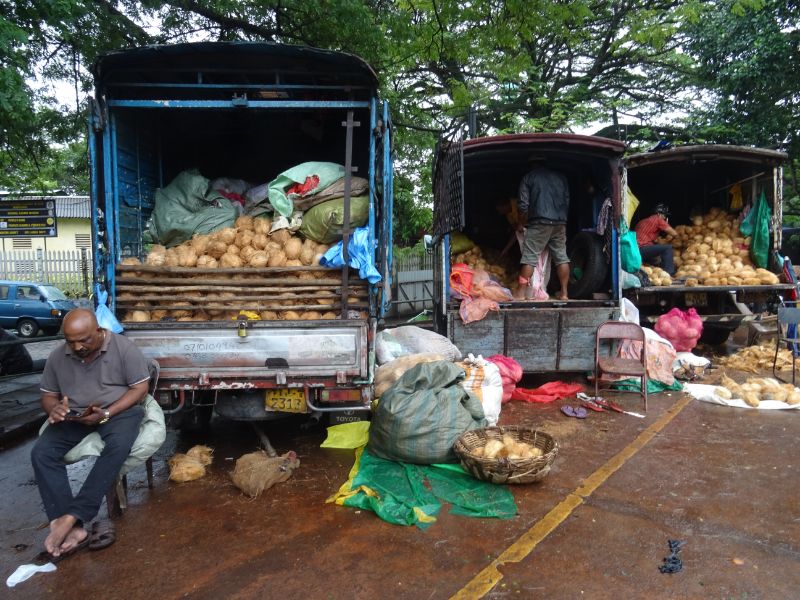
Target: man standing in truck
<point>543,206</point>
<point>648,230</point>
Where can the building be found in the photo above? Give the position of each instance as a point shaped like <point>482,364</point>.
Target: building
<point>73,224</point>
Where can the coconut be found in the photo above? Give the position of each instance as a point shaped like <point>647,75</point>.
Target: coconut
<point>290,315</point>
<point>246,253</point>
<point>329,315</point>
<point>157,315</point>
<point>278,259</point>
<point>268,315</point>
<point>261,226</point>
<point>131,260</point>
<point>200,243</point>
<point>232,249</point>
<point>184,468</point>
<point>206,262</point>
<point>216,249</point>
<point>177,313</point>
<point>292,248</point>
<point>307,255</point>
<point>230,261</point>
<point>244,238</point>
<point>260,241</point>
<point>294,263</point>
<point>244,223</point>
<point>138,316</point>
<point>202,454</point>
<point>281,236</point>
<point>227,235</point>
<point>310,315</point>
<point>259,259</point>
<point>157,256</point>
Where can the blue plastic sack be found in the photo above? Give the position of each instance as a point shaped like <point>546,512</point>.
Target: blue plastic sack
<point>105,318</point>
<point>360,253</point>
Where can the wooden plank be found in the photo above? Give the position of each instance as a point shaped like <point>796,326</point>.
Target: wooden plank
<point>532,338</point>
<point>578,329</point>
<point>484,337</point>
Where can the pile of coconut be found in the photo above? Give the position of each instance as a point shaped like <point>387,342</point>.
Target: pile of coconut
<point>658,277</point>
<point>248,244</point>
<point>712,251</point>
<point>756,389</point>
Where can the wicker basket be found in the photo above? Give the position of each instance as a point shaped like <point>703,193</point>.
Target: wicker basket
<point>506,470</point>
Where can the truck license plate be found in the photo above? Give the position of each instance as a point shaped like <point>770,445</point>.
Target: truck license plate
<point>286,400</point>
<point>697,299</point>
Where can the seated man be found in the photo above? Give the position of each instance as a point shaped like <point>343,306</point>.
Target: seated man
<point>95,381</point>
<point>648,230</point>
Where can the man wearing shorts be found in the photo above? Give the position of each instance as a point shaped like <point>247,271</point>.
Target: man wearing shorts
<point>543,206</point>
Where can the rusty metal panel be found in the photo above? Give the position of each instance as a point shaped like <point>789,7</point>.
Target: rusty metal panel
<point>484,337</point>
<point>532,338</point>
<point>314,351</point>
<point>578,328</point>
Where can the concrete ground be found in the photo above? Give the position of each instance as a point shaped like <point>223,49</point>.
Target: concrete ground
<point>723,480</point>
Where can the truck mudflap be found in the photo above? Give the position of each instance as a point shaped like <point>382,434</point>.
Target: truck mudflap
<point>261,355</point>
<point>540,340</point>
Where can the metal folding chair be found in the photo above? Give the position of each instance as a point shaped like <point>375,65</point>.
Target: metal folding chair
<point>614,365</point>
<point>788,334</point>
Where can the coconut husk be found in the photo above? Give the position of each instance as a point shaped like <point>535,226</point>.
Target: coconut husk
<point>203,454</point>
<point>184,468</point>
<point>257,471</point>
<point>757,358</point>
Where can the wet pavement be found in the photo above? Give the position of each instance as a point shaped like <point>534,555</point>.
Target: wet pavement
<point>723,480</point>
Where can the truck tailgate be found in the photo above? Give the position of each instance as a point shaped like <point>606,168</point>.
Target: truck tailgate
<point>185,352</point>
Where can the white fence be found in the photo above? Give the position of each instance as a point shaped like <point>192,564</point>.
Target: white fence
<point>68,270</point>
<point>413,285</point>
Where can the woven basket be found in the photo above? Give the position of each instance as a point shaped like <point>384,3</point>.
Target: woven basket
<point>506,470</point>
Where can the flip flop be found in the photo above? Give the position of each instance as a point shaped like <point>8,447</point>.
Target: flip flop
<point>102,534</point>
<point>45,557</point>
<point>574,411</point>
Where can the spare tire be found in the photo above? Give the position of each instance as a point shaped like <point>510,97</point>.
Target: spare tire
<point>588,265</point>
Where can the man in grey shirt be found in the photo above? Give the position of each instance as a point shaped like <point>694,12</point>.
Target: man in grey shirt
<point>543,206</point>
<point>95,381</point>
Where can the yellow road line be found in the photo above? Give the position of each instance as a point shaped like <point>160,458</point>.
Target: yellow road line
<point>489,577</point>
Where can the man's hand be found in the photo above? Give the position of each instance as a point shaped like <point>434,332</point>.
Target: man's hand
<point>59,411</point>
<point>92,416</point>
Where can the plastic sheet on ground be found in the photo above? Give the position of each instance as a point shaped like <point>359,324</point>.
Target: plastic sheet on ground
<point>653,386</point>
<point>706,393</point>
<point>347,436</point>
<point>405,494</point>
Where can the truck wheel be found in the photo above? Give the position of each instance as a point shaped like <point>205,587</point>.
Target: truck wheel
<point>27,328</point>
<point>588,266</point>
<point>714,336</point>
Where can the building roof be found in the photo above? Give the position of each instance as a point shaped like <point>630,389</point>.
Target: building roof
<point>67,207</point>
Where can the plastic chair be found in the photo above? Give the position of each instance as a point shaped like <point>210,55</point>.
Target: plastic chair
<point>789,334</point>
<point>615,365</point>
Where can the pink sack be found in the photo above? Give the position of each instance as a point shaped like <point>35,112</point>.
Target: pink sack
<point>510,372</point>
<point>475,309</point>
<point>485,287</point>
<point>681,328</point>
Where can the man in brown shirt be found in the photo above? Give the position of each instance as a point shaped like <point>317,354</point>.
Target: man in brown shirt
<point>94,382</point>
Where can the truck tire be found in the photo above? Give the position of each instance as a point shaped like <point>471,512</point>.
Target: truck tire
<point>714,336</point>
<point>588,266</point>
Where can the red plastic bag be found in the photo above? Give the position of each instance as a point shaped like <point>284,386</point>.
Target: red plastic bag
<point>547,392</point>
<point>510,372</point>
<point>681,328</point>
<point>461,280</point>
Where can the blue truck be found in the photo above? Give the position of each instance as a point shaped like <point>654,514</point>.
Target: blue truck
<point>249,111</point>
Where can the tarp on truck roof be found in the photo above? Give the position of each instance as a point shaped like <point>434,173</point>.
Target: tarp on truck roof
<point>699,153</point>
<point>152,64</point>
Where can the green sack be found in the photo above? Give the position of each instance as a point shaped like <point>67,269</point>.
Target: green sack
<point>405,494</point>
<point>629,255</point>
<point>460,243</point>
<point>756,226</point>
<point>185,207</point>
<point>284,204</point>
<point>420,417</point>
<point>323,223</point>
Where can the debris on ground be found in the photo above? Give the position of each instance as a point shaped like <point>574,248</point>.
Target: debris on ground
<point>672,563</point>
<point>190,466</point>
<point>257,471</point>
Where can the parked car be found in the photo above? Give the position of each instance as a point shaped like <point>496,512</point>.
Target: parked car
<point>31,307</point>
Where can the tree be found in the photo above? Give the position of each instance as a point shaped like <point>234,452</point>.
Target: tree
<point>747,56</point>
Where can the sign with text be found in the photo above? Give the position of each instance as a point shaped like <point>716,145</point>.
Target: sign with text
<point>28,218</point>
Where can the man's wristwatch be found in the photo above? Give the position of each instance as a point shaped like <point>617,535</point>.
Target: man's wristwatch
<point>106,417</point>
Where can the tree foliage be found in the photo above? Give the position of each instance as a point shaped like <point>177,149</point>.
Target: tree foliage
<point>510,66</point>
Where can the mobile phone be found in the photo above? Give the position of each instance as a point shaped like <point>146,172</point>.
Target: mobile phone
<point>73,414</point>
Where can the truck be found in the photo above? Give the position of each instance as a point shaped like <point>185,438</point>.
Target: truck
<point>474,183</point>
<point>249,111</point>
<point>693,180</point>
